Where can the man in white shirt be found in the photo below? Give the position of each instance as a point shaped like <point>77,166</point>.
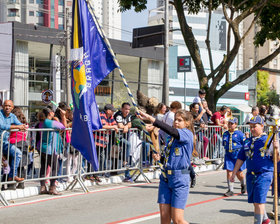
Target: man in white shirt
<point>169,119</point>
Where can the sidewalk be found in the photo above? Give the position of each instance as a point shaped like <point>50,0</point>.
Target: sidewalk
<point>32,188</point>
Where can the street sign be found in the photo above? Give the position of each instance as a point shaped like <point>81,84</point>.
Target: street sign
<point>184,64</point>
<point>47,96</point>
<point>148,36</point>
<point>247,96</point>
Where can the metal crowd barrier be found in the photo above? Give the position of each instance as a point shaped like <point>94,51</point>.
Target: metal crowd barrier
<point>116,151</point>
<point>209,143</point>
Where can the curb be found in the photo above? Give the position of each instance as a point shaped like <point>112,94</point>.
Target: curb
<point>34,190</point>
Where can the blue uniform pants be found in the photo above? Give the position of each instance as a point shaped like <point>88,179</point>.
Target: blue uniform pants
<point>175,191</point>
<point>258,186</point>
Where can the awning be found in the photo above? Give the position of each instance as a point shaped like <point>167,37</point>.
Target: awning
<point>244,108</point>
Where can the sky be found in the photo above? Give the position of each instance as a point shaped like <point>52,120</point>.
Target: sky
<point>131,19</point>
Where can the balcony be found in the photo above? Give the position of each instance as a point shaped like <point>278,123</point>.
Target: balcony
<point>13,4</point>
<point>102,91</point>
<point>12,18</point>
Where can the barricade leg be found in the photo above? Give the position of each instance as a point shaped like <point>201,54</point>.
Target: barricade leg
<point>3,200</point>
<point>78,178</point>
<point>140,169</point>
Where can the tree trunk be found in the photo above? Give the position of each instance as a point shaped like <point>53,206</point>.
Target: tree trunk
<point>211,101</point>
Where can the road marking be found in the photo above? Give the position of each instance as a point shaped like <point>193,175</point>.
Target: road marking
<point>74,194</point>
<point>92,192</point>
<point>155,215</point>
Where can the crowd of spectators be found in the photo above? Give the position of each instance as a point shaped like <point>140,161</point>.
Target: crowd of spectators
<point>113,143</point>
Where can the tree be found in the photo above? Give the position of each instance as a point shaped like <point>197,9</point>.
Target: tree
<point>266,16</point>
<point>265,95</point>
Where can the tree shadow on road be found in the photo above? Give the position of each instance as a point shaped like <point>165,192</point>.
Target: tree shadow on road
<point>206,193</point>
<point>144,186</point>
<point>237,212</point>
<point>236,199</point>
<point>216,186</point>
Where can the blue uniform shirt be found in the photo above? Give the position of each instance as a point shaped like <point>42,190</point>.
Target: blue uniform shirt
<point>238,139</point>
<point>5,124</point>
<point>181,151</point>
<point>256,161</point>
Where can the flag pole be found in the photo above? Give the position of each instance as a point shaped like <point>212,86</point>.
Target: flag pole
<point>275,176</point>
<point>91,10</point>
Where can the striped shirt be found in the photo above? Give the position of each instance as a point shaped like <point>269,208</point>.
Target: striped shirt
<point>102,137</point>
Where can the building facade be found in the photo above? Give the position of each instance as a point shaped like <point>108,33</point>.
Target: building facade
<point>51,13</point>
<point>33,60</point>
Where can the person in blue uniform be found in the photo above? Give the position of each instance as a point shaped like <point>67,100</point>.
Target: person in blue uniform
<point>233,140</point>
<point>259,164</point>
<point>175,177</point>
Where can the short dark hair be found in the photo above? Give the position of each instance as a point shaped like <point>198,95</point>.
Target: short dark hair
<point>193,105</point>
<point>125,103</point>
<point>202,91</point>
<point>46,111</point>
<point>254,109</point>
<point>176,105</point>
<point>223,108</point>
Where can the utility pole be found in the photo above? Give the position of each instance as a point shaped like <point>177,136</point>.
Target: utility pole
<point>165,89</point>
<point>67,57</point>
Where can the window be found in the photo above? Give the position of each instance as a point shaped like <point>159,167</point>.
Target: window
<point>61,2</point>
<point>39,14</point>
<point>31,13</point>
<point>31,1</point>
<point>12,12</point>
<point>60,27</point>
<point>40,1</point>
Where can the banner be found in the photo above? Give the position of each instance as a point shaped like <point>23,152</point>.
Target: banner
<point>91,63</point>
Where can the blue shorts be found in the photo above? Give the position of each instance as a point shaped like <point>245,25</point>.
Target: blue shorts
<point>230,163</point>
<point>258,186</point>
<point>174,192</point>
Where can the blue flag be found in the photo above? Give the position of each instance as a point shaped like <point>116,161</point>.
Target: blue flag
<point>91,63</point>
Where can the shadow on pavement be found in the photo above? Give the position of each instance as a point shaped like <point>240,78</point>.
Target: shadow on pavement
<point>216,186</point>
<point>238,212</point>
<point>237,199</point>
<point>206,193</point>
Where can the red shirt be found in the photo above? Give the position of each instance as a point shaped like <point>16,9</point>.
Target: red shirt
<point>217,116</point>
<point>18,136</point>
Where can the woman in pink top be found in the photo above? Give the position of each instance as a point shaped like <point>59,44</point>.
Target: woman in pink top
<point>18,138</point>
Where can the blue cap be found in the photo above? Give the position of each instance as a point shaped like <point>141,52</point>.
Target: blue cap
<point>256,120</point>
<point>233,120</point>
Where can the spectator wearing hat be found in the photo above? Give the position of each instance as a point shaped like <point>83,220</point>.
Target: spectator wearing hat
<point>233,141</point>
<point>258,154</point>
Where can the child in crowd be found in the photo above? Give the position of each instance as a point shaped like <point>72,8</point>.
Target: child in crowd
<point>260,168</point>
<point>233,141</point>
<point>176,159</point>
<point>5,171</point>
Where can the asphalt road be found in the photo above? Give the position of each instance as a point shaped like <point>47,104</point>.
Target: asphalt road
<point>133,203</point>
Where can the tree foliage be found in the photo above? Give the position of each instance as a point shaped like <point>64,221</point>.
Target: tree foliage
<point>265,13</point>
<point>265,95</point>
